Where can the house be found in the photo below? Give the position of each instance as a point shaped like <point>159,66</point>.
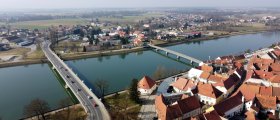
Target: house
<point>227,86</point>
<point>183,85</point>
<point>182,109</point>
<point>204,77</point>
<point>146,86</point>
<point>206,68</point>
<point>266,103</point>
<point>249,92</point>
<point>138,42</point>
<point>194,73</point>
<point>208,94</point>
<point>231,106</point>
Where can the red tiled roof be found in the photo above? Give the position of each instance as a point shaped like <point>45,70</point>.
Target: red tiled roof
<point>216,78</point>
<point>266,90</point>
<point>206,68</point>
<point>146,83</point>
<point>183,84</point>
<point>204,75</point>
<point>262,74</point>
<point>266,102</point>
<point>276,91</point>
<point>208,90</point>
<point>228,104</point>
<point>248,91</point>
<point>275,79</point>
<point>276,52</point>
<point>189,104</point>
<point>275,67</point>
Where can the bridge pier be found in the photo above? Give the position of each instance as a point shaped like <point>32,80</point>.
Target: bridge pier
<point>166,53</point>
<point>178,57</point>
<point>156,50</point>
<point>53,67</point>
<point>66,86</point>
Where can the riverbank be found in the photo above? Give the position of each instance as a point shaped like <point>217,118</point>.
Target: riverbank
<point>84,55</point>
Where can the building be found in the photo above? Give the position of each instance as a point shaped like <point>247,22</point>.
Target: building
<point>182,85</point>
<point>184,108</point>
<point>208,94</point>
<point>146,86</point>
<point>231,106</point>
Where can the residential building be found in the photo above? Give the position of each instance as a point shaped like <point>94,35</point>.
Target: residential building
<point>146,86</point>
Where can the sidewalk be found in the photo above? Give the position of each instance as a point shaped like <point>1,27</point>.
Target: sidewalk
<point>147,111</point>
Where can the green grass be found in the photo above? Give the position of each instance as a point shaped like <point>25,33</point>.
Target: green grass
<point>62,83</point>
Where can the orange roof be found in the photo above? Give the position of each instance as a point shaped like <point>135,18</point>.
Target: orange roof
<point>206,68</point>
<point>266,90</point>
<point>250,116</point>
<point>262,74</point>
<point>216,78</point>
<point>275,67</point>
<point>160,107</point>
<point>183,84</point>
<point>248,91</point>
<point>275,79</point>
<point>208,90</point>
<point>276,52</point>
<point>189,104</point>
<point>266,102</point>
<point>146,83</point>
<point>204,75</point>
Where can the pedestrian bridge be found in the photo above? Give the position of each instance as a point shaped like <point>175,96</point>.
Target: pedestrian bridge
<point>177,54</point>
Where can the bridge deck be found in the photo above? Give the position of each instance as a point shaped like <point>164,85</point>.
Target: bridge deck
<point>177,54</point>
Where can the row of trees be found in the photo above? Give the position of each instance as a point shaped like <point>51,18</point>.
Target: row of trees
<point>39,107</point>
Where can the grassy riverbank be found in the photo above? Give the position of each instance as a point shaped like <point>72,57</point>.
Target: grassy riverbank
<point>62,83</point>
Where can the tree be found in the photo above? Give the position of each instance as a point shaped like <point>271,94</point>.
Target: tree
<point>103,86</point>
<point>36,107</point>
<point>84,49</point>
<point>54,36</point>
<point>65,103</point>
<point>124,40</point>
<point>133,91</point>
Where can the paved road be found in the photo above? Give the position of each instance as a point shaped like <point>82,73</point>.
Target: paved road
<point>92,105</point>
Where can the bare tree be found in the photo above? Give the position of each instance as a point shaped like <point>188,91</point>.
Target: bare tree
<point>36,107</point>
<point>103,86</point>
<point>66,103</point>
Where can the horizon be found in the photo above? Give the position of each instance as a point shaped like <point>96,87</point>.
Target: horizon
<point>98,4</point>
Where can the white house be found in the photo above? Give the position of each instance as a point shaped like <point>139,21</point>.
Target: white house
<point>208,94</point>
<point>146,86</point>
<point>194,73</point>
<point>183,85</point>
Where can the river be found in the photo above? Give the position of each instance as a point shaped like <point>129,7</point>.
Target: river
<point>19,85</point>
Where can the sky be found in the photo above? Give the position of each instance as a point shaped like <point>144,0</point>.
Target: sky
<point>45,4</point>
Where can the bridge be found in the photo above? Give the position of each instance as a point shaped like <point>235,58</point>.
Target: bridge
<point>94,108</point>
<point>179,55</point>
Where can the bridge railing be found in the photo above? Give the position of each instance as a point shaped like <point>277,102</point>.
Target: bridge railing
<point>101,105</point>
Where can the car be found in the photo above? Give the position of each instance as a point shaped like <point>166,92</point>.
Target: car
<point>67,76</point>
<point>79,89</point>
<point>89,97</point>
<point>66,70</point>
<point>72,81</point>
<point>94,104</point>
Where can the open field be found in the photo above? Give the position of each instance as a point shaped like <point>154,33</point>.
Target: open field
<point>43,24</point>
<point>15,51</point>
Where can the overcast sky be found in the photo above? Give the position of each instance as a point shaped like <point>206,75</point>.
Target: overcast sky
<point>19,4</point>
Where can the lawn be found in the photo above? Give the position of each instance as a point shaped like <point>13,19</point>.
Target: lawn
<point>15,51</point>
<point>122,107</point>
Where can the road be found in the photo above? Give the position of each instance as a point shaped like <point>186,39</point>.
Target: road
<point>92,105</point>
